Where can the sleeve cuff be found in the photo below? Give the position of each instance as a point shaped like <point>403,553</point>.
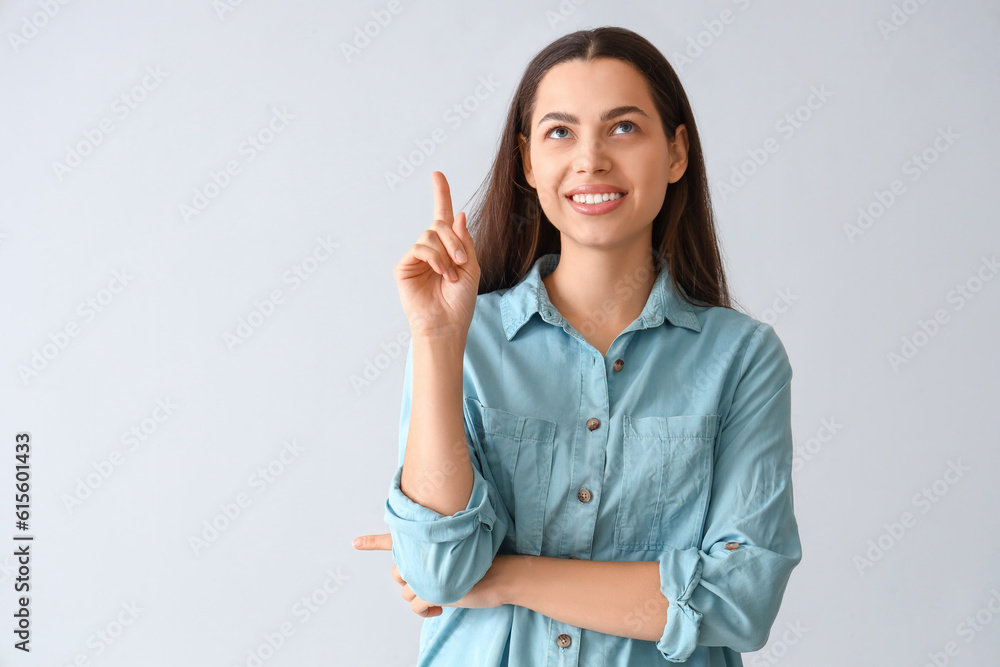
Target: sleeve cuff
<point>680,575</point>
<point>425,525</point>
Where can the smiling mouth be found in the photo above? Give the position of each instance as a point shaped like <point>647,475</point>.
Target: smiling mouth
<point>599,198</point>
<point>596,204</point>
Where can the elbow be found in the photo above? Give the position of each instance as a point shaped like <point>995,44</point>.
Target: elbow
<point>754,640</point>
<point>441,567</point>
<point>439,588</point>
<point>762,604</point>
<point>746,631</point>
<point>445,573</point>
<point>443,557</point>
<point>754,628</point>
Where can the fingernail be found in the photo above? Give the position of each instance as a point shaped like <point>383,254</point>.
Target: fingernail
<point>357,542</point>
<point>460,255</point>
<point>452,274</point>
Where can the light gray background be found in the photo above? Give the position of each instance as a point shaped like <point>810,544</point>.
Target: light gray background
<point>840,307</point>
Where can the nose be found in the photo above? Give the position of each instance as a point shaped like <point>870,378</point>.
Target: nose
<point>591,155</point>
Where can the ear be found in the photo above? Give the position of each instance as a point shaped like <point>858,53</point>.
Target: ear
<point>522,145</point>
<point>679,152</point>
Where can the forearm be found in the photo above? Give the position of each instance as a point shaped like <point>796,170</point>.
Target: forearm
<point>437,471</point>
<point>613,597</point>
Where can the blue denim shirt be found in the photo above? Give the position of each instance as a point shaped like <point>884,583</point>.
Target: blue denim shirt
<point>675,447</point>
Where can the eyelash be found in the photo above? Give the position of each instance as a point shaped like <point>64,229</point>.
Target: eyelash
<point>628,122</point>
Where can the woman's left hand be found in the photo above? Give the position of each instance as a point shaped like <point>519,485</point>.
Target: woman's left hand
<point>487,593</point>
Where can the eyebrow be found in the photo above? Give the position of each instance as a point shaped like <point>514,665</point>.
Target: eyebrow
<point>564,117</point>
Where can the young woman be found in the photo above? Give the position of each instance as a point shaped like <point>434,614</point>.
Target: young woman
<point>595,447</point>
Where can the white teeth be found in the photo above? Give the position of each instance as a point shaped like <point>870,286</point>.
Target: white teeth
<point>598,198</point>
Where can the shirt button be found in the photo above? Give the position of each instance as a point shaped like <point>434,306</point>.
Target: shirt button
<point>732,545</point>
<point>593,423</point>
<point>564,641</point>
<point>583,495</point>
<point>619,364</point>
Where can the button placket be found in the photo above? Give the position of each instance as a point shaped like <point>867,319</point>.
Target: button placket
<point>590,453</point>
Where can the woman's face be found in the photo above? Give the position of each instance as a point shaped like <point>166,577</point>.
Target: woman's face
<point>625,152</point>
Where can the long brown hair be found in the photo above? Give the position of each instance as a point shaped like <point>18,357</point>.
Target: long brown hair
<point>510,229</point>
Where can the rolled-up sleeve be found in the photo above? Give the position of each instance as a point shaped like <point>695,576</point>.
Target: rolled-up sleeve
<point>442,557</point>
<point>721,596</point>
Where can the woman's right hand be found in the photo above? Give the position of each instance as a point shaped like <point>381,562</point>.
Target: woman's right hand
<point>434,303</point>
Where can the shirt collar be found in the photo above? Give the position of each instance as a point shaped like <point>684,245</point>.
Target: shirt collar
<point>529,296</point>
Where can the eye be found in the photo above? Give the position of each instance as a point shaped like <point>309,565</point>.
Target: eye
<point>630,124</point>
<point>626,123</point>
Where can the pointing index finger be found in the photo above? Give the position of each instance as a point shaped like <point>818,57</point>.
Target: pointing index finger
<point>375,542</point>
<point>442,199</point>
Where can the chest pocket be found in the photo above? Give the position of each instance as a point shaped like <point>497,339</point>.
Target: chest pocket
<point>666,481</point>
<point>518,450</point>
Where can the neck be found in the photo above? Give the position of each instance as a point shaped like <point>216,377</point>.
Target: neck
<point>602,287</point>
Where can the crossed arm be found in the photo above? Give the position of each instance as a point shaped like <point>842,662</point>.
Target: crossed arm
<point>616,598</point>
<point>620,598</point>
<point>718,596</point>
